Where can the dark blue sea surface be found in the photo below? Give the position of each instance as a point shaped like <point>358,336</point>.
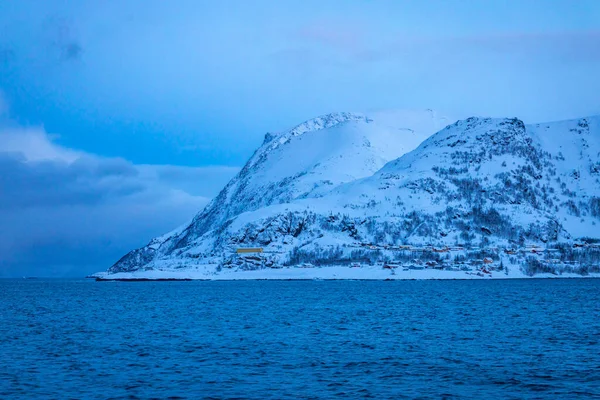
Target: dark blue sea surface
<point>318,339</point>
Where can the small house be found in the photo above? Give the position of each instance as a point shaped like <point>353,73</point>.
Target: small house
<point>245,250</point>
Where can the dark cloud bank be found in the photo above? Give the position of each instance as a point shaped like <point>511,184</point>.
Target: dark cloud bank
<point>69,214</point>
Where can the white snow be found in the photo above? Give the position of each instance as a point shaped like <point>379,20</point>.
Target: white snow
<point>324,273</point>
<point>373,167</point>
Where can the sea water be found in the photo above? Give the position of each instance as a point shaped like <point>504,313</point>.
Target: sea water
<point>291,339</point>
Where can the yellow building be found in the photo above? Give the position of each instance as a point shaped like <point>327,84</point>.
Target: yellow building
<point>243,250</point>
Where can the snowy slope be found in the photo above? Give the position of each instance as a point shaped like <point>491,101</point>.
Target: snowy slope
<point>480,196</point>
<point>306,161</point>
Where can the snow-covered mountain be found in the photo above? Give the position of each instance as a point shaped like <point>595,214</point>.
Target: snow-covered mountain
<point>305,161</point>
<point>478,196</point>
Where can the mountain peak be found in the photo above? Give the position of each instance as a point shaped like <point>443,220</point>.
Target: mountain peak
<point>324,122</point>
<point>274,140</point>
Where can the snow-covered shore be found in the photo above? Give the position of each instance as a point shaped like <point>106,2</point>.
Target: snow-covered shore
<point>325,273</point>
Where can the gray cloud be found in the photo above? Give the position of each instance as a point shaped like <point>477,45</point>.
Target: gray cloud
<point>194,181</point>
<point>72,51</point>
<point>62,36</point>
<point>564,47</point>
<point>68,213</point>
<point>49,183</point>
<point>346,36</point>
<point>353,44</point>
<point>75,240</point>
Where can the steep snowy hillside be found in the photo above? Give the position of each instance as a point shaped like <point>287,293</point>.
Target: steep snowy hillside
<point>481,197</point>
<point>304,162</point>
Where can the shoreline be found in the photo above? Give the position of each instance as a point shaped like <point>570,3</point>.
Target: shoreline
<point>324,274</point>
<point>330,279</point>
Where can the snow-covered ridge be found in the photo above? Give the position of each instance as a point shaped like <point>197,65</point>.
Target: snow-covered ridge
<point>478,197</point>
<point>273,140</point>
<point>321,122</point>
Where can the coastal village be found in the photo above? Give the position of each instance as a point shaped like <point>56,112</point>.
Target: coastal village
<point>471,260</point>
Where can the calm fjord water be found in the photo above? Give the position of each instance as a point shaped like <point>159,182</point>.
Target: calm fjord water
<point>429,339</point>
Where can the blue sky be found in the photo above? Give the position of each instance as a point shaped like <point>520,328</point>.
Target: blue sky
<point>160,102</point>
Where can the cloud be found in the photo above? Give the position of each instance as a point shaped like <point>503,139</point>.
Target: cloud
<point>194,181</point>
<point>576,41</point>
<point>34,144</point>
<point>347,36</point>
<point>354,42</point>
<point>62,35</point>
<point>71,51</point>
<point>569,46</point>
<point>86,181</point>
<point>67,212</point>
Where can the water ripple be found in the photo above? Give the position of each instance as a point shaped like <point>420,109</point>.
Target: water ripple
<point>272,340</point>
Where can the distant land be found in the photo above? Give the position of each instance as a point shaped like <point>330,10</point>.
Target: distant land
<point>397,195</point>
